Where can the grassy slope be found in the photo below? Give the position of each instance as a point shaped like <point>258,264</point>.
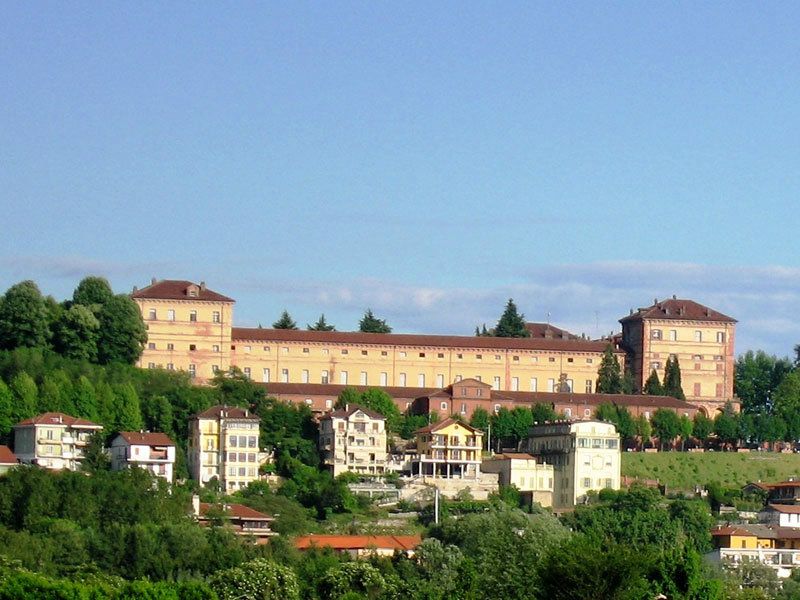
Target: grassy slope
<point>682,470</point>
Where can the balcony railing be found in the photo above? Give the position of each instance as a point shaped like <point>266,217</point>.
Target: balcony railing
<point>777,558</point>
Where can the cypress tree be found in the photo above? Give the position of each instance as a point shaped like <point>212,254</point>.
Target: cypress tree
<point>653,385</point>
<point>609,377</point>
<point>672,379</point>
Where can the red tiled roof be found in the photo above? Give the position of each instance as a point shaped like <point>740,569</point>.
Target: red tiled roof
<point>146,438</point>
<point>416,340</point>
<point>780,484</point>
<point>354,408</point>
<point>792,509</point>
<point>230,412</point>
<point>549,332</point>
<point>433,427</point>
<point>678,309</point>
<point>236,511</point>
<point>729,530</point>
<point>513,456</point>
<point>174,289</point>
<point>7,457</point>
<point>359,542</point>
<point>57,418</point>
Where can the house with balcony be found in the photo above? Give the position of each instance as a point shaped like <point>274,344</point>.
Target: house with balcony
<point>53,440</point>
<point>776,547</point>
<point>353,439</point>
<point>244,520</point>
<point>154,452</point>
<point>449,449</point>
<point>531,477</point>
<point>361,546</point>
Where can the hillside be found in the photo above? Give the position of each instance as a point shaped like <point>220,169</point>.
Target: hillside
<point>683,470</point>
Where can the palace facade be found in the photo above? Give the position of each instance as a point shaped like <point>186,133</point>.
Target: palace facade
<point>190,328</point>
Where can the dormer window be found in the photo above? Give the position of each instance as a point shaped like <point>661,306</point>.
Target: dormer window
<point>192,291</point>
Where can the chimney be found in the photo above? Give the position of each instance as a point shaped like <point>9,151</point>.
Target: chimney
<point>153,281</point>
<point>196,505</point>
<point>674,297</point>
<point>202,286</point>
<point>655,300</point>
<point>135,289</point>
<point>631,312</point>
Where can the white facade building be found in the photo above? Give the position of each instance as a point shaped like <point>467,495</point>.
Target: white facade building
<point>353,439</point>
<point>53,440</point>
<point>585,456</point>
<point>154,452</point>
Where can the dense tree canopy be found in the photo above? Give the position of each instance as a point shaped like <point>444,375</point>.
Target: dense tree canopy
<point>511,323</point>
<point>609,375</point>
<point>672,379</point>
<point>321,325</point>
<point>285,321</point>
<point>24,319</point>
<point>371,324</point>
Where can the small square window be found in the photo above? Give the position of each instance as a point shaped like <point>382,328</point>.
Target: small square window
<point>364,353</point>
<point>570,359</point>
<point>345,351</point>
<point>497,357</point>
<point>151,346</point>
<point>459,356</point>
<point>422,355</point>
<point>440,355</point>
<point>478,356</point>
<point>193,316</point>
<point>192,347</point>
<point>551,359</point>
<point>170,346</point>
<point>515,358</point>
<point>384,353</point>
<point>305,351</point>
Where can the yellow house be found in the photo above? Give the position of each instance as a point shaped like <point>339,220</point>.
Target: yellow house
<point>223,443</point>
<point>188,328</point>
<point>701,338</point>
<point>53,440</point>
<point>449,449</point>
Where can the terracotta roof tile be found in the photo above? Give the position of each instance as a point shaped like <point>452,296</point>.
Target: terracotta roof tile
<point>359,542</point>
<point>237,511</point>
<point>146,438</point>
<point>678,309</point>
<point>174,289</point>
<point>57,418</point>
<point>791,509</point>
<point>415,340</point>
<point>7,457</point>
<point>230,412</point>
<point>549,332</point>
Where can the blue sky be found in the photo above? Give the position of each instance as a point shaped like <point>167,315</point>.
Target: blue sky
<point>427,160</point>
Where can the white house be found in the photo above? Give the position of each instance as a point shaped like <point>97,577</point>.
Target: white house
<point>152,451</point>
<point>782,515</point>
<point>53,440</point>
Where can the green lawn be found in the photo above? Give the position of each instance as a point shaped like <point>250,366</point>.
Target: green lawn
<point>683,470</point>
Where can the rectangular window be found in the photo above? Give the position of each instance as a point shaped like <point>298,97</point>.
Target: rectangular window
<point>551,385</point>
<point>421,380</point>
<point>364,353</point>
<point>151,346</point>
<point>458,378</point>
<point>515,358</point>
<point>343,377</point>
<point>215,318</point>
<point>246,372</point>
<point>515,384</point>
<point>285,350</point>
<point>422,355</point>
<point>384,353</point>
<point>587,482</point>
<point>192,347</point>
<point>215,369</point>
<point>496,383</point>
<point>440,381</point>
<point>192,371</point>
<point>720,337</point>
<point>306,351</point>
<point>463,408</point>
<point>265,375</point>
<point>534,384</point>
<point>232,441</point>
<point>345,351</point>
<point>698,336</point>
<point>324,377</point>
<point>673,335</point>
<point>479,357</point>
<point>402,379</point>
<point>655,334</point>
<point>170,346</point>
<point>588,386</point>
<point>497,357</point>
<point>193,316</point>
<point>362,378</point>
<point>720,391</point>
<point>570,385</point>
<point>171,314</point>
<point>384,380</point>
<point>170,367</point>
<point>304,376</point>
<point>440,355</point>
<point>152,315</point>
<point>697,389</point>
<point>215,348</point>
<point>151,365</point>
<point>285,375</point>
<point>459,356</point>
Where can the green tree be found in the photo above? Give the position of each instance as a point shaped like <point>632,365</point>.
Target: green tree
<point>511,323</point>
<point>786,404</point>
<point>285,321</point>
<point>258,579</point>
<point>653,385</point>
<point>346,397</point>
<point>23,317</point>
<point>702,427</point>
<point>666,426</point>
<point>92,292</point>
<point>609,376</point>
<point>480,418</point>
<point>686,429</point>
<point>352,580</point>
<point>76,332</point>
<point>371,324</point>
<point>726,427</point>
<point>672,379</point>
<point>122,331</point>
<point>381,402</point>
<point>321,325</point>
<point>756,377</point>
<point>7,415</point>
<point>128,412</point>
<point>85,399</point>
<point>26,397</point>
<point>543,412</point>
<point>643,429</point>
<point>522,421</point>
<point>95,457</point>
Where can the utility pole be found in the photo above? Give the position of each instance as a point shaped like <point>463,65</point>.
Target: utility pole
<point>436,505</point>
